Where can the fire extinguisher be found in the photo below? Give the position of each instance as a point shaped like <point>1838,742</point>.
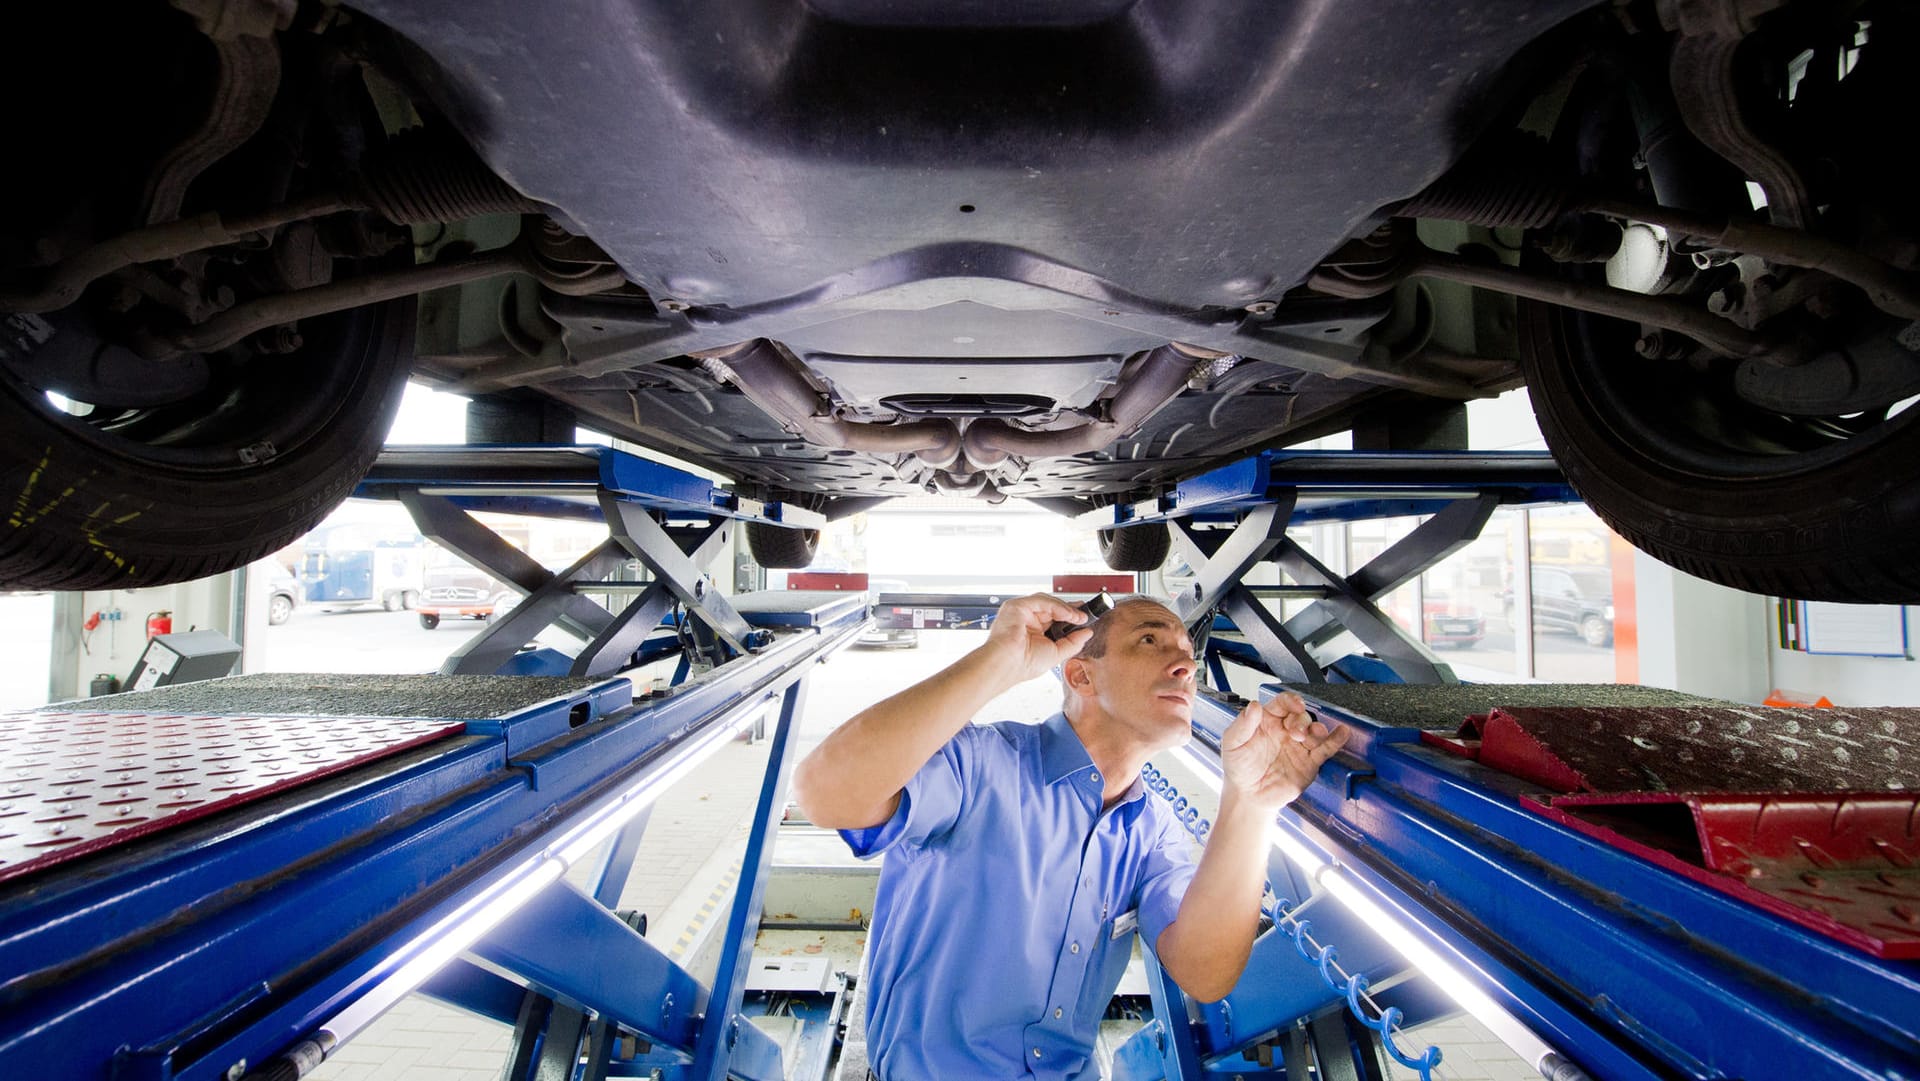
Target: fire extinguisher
<point>159,623</point>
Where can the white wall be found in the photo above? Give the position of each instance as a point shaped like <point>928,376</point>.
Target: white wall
<point>1849,681</point>
<point>1699,637</point>
<point>26,648</point>
<point>114,646</point>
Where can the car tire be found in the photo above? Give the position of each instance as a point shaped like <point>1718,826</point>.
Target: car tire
<point>279,609</point>
<point>1136,548</point>
<point>1596,632</point>
<point>181,492</point>
<point>780,548</point>
<point>1716,489</point>
<point>428,621</point>
<point>410,599</point>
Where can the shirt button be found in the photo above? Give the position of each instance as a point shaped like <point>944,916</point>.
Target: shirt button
<point>1036,1052</point>
<point>1095,775</point>
<point>1075,948</point>
<point>1056,1013</point>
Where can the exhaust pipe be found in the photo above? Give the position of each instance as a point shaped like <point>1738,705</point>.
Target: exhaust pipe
<point>960,483</point>
<point>770,380</point>
<point>1157,378</point>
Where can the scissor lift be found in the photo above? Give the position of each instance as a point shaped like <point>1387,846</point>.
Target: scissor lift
<point>229,880</point>
<point>1620,882</point>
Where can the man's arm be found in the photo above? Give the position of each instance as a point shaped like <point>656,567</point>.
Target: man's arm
<point>1269,754</point>
<point>854,778</point>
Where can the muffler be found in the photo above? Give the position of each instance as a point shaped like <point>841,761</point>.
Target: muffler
<point>1154,380</point>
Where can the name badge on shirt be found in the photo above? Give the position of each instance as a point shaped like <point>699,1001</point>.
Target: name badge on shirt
<point>1126,923</point>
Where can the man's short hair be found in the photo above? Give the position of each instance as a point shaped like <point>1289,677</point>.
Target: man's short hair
<point>1102,628</point>
<point>1096,646</point>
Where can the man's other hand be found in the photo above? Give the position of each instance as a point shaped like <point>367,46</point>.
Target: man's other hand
<point>1271,752</point>
<point>1019,635</point>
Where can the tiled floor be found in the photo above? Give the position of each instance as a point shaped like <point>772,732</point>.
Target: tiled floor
<point>1468,1052</point>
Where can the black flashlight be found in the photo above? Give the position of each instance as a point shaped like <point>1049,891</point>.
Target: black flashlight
<point>1095,606</point>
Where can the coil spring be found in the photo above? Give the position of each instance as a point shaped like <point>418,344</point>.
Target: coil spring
<point>1504,186</point>
<point>424,176</point>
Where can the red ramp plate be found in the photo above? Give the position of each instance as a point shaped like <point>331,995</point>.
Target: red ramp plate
<point>1813,815</point>
<point>73,783</point>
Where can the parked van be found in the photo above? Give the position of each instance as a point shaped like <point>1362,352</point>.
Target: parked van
<point>352,565</point>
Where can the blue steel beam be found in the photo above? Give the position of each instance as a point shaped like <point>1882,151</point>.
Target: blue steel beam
<point>466,986</point>
<point>484,653</point>
<point>561,481</point>
<point>1141,1057</point>
<point>610,880</point>
<point>1251,543</point>
<point>1221,558</point>
<point>636,532</point>
<point>1409,657</point>
<point>1540,1008</point>
<point>1628,970</point>
<point>1177,1039</point>
<point>1344,485</point>
<point>1694,981</point>
<point>234,938</point>
<point>721,1046</point>
<point>572,949</point>
<point>1281,985</point>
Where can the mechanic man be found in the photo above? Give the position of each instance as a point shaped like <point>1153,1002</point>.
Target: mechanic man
<point>1022,858</point>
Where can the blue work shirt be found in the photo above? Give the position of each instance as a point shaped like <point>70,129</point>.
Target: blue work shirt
<point>1007,907</point>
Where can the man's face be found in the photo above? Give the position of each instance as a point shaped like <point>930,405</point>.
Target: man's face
<point>1145,678</point>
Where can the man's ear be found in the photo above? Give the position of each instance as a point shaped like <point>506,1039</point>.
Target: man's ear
<point>1079,676</point>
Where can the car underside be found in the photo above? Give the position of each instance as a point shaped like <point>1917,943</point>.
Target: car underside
<point>846,250</point>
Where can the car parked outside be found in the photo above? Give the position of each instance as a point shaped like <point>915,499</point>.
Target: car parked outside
<point>876,636</point>
<point>1452,623</point>
<point>283,595</point>
<point>461,592</point>
<point>1577,600</point>
<point>1446,622</point>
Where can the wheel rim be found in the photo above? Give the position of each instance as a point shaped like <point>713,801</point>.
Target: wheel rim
<point>1691,423</point>
<point>1688,419</point>
<point>254,409</point>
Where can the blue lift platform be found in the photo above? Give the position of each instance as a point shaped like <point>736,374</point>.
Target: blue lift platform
<point>230,880</point>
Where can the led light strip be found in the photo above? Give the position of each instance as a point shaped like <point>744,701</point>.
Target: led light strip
<point>455,933</point>
<point>1330,876</point>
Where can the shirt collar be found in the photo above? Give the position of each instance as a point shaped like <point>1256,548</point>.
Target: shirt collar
<point>1062,755</point>
<point>1061,752</point>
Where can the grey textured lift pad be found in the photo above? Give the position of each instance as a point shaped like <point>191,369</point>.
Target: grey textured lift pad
<point>328,695</point>
<point>1409,705</point>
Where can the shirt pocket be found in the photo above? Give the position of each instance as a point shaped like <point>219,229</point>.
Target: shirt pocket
<point>1104,969</point>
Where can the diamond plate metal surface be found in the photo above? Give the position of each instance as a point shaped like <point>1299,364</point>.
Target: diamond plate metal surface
<point>1707,748</point>
<point>1847,867</point>
<point>1811,814</point>
<point>73,783</point>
